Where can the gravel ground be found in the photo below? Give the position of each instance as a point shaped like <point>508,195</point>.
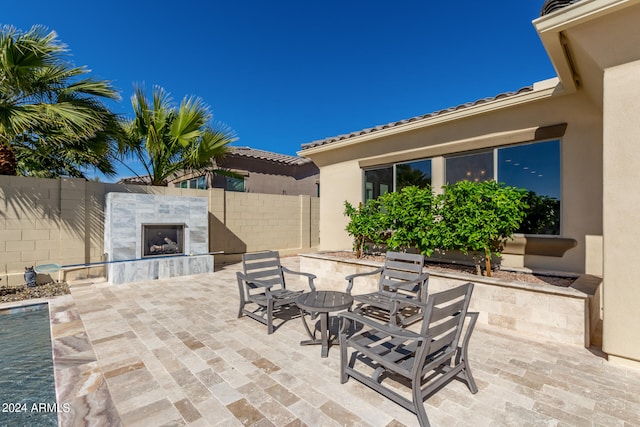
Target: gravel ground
<point>563,281</point>
<point>20,293</point>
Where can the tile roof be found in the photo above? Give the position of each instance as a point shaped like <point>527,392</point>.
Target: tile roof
<point>247,152</point>
<point>333,139</point>
<point>553,5</point>
<point>141,180</point>
<point>267,155</point>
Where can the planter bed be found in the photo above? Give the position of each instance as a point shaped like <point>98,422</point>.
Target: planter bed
<point>558,313</point>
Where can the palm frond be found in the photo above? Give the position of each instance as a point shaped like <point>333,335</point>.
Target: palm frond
<point>169,140</point>
<point>48,107</point>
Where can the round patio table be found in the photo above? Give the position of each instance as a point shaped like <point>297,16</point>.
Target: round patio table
<point>322,303</point>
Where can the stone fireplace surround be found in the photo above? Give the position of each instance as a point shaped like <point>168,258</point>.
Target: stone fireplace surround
<point>124,215</point>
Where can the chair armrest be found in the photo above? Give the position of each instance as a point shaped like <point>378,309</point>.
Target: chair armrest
<point>461,354</point>
<point>473,318</point>
<point>350,277</point>
<point>300,273</point>
<point>392,330</point>
<point>421,279</point>
<point>255,282</point>
<point>396,302</point>
<point>309,276</point>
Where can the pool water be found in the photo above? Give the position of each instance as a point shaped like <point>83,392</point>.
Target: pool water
<point>27,387</point>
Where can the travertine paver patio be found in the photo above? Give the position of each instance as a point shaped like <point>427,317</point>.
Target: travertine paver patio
<point>172,352</point>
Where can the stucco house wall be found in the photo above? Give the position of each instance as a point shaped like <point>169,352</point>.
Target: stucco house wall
<point>341,169</point>
<point>593,46</point>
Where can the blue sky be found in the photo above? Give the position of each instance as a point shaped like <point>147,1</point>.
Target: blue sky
<point>284,73</point>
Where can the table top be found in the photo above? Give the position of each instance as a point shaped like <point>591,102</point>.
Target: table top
<point>324,301</point>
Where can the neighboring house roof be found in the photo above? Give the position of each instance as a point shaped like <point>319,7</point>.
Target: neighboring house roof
<point>333,139</point>
<point>237,152</point>
<point>553,5</point>
<point>142,180</point>
<point>267,155</point>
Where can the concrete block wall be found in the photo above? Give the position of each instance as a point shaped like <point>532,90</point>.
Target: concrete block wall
<point>254,222</point>
<point>44,221</point>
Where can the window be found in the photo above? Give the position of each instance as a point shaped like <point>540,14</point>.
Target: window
<point>416,173</point>
<point>377,182</point>
<point>535,167</point>
<point>235,184</point>
<point>199,183</point>
<point>469,167</point>
<point>532,166</point>
<point>393,178</point>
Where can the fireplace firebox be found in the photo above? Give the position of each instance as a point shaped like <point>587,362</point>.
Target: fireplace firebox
<point>162,239</point>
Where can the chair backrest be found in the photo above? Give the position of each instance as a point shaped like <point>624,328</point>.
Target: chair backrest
<point>400,267</point>
<point>264,267</point>
<point>444,319</point>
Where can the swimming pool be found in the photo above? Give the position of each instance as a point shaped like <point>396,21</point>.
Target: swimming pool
<point>27,387</point>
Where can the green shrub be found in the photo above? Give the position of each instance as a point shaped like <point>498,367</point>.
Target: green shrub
<point>479,217</point>
<point>474,217</point>
<point>364,225</point>
<point>408,214</point>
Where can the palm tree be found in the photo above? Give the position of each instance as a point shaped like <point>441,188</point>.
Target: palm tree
<point>52,118</point>
<point>167,141</point>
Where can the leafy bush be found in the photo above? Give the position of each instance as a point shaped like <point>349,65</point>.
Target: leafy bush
<point>365,224</point>
<point>409,214</point>
<point>468,216</point>
<point>479,217</point>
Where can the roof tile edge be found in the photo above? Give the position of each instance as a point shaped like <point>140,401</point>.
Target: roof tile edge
<point>346,136</point>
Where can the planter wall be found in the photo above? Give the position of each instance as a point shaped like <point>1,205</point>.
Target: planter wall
<point>537,310</point>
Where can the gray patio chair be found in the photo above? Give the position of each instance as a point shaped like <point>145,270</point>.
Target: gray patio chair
<point>402,276</point>
<point>262,283</point>
<point>385,355</point>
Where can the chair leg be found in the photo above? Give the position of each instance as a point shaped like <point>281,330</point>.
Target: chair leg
<point>270,317</point>
<point>242,299</point>
<point>468,378</point>
<point>418,403</point>
<point>343,362</point>
<point>343,350</point>
<point>465,373</point>
<point>241,309</point>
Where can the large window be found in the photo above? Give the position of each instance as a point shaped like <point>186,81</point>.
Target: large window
<point>535,167</point>
<point>393,178</point>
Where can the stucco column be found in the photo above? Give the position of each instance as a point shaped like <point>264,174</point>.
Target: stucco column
<point>621,212</point>
<point>437,174</point>
<point>340,182</point>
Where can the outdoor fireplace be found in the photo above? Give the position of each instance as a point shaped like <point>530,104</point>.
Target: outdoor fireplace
<point>162,239</point>
<point>148,236</point>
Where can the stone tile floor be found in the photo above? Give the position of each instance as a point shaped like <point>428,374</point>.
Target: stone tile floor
<point>172,352</point>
